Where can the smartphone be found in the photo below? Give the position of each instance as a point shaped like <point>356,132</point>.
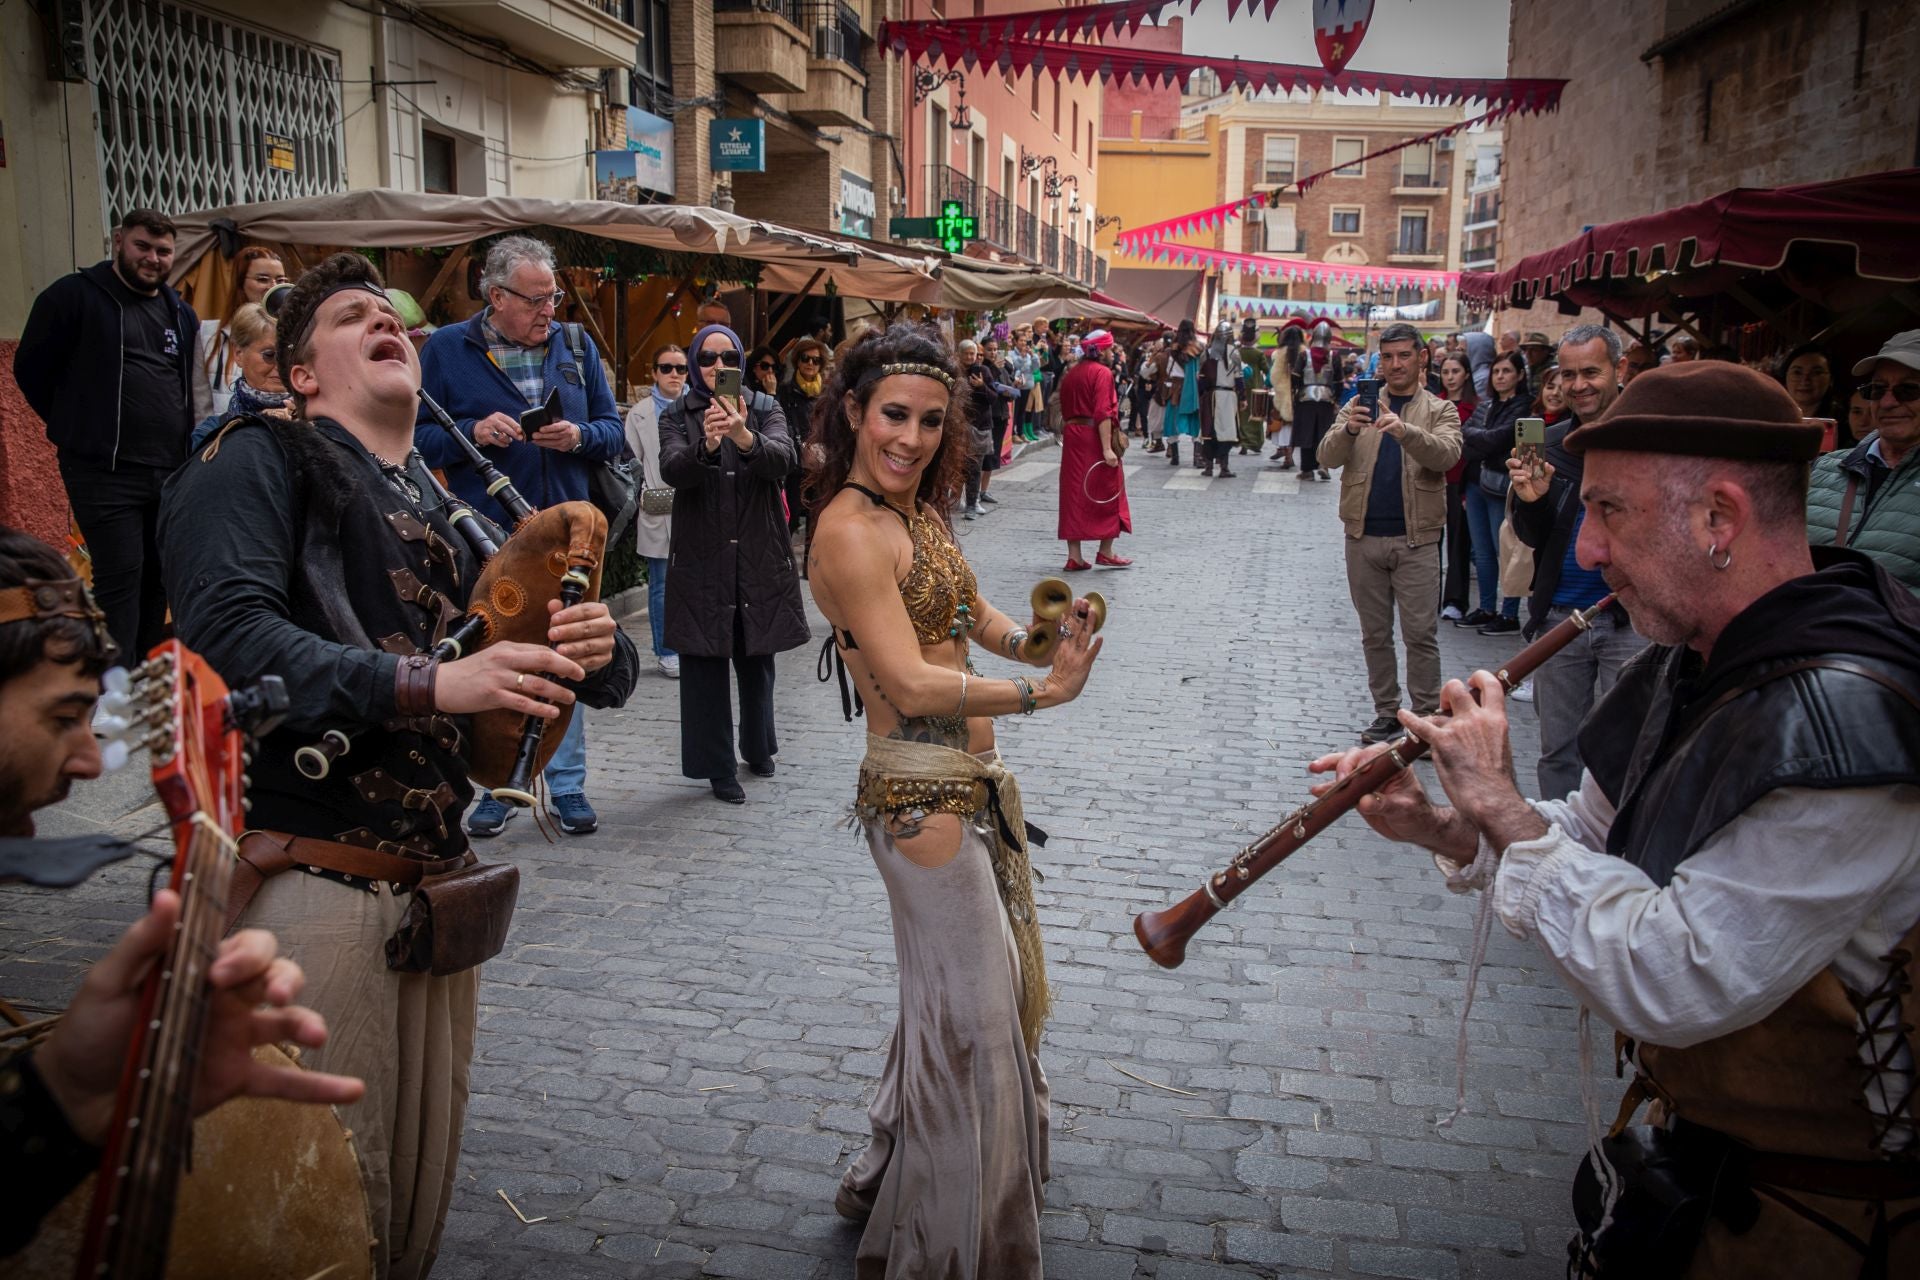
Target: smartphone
<point>541,415</point>
<point>727,384</point>
<point>1369,389</point>
<point>1529,440</point>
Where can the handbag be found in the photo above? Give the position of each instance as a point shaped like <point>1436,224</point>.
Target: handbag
<point>657,502</point>
<point>1495,479</point>
<point>611,486</point>
<point>1516,559</point>
<point>456,921</point>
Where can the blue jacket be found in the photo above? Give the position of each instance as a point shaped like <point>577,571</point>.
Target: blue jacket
<point>457,371</point>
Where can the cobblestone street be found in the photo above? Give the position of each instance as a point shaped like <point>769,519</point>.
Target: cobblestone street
<point>679,1043</point>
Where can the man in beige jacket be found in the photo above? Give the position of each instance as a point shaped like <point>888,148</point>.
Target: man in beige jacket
<point>1393,502</point>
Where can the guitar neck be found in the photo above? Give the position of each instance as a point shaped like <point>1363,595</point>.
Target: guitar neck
<point>132,1216</point>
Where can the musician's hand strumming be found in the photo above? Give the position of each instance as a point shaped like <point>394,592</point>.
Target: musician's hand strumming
<point>583,633</point>
<point>507,677</point>
<point>1471,753</point>
<point>253,993</point>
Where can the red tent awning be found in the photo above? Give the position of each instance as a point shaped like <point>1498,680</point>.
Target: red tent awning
<point>1850,231</point>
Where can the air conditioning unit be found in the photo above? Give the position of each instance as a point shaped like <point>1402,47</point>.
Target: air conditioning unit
<point>1444,144</point>
<point>618,81</point>
<point>829,42</point>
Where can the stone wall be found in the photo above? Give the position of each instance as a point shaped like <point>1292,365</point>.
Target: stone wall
<point>1796,96</point>
<point>31,495</point>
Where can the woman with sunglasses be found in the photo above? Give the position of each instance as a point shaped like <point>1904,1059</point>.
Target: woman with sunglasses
<point>796,397</point>
<point>732,595</point>
<point>653,533</point>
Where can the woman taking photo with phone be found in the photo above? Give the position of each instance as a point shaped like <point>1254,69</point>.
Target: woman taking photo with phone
<point>733,598</point>
<point>1488,437</point>
<point>951,1186</point>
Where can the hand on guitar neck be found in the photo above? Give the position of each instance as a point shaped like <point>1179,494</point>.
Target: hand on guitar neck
<point>254,990</point>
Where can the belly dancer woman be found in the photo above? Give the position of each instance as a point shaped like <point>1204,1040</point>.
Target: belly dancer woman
<point>952,1183</point>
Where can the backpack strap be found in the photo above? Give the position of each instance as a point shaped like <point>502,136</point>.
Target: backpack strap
<point>1842,529</point>
<point>576,343</point>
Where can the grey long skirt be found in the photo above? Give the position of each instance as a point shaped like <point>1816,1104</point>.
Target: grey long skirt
<point>954,1177</point>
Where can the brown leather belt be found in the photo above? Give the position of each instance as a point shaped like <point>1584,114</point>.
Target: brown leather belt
<point>265,854</point>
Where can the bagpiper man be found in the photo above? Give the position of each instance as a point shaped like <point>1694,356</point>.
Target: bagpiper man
<point>320,549</point>
<point>1735,886</point>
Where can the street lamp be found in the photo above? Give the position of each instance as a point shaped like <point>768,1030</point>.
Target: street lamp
<point>1364,296</point>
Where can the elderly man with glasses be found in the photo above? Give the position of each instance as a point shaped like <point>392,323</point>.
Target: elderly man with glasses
<point>489,370</point>
<point>1868,497</point>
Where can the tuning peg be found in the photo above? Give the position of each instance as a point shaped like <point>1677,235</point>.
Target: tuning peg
<point>113,754</point>
<point>115,682</point>
<point>107,725</point>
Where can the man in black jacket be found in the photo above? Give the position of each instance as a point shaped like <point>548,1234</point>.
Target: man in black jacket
<point>1547,514</point>
<point>120,421</point>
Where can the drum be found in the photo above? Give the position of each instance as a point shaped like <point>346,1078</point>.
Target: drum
<point>1260,404</point>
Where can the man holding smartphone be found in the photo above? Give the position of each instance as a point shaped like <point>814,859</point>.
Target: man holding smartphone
<point>1393,501</point>
<point>496,374</point>
<point>1547,514</point>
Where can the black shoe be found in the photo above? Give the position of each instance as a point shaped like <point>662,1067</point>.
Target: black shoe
<point>760,768</point>
<point>1286,464</point>
<point>1501,626</point>
<point>1173,455</point>
<point>990,499</point>
<point>1207,470</point>
<point>1325,474</point>
<point>1224,473</point>
<point>1383,729</point>
<point>729,789</point>
<point>1478,618</point>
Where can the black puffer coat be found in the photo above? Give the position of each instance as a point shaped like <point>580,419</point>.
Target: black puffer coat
<point>1487,436</point>
<point>729,549</point>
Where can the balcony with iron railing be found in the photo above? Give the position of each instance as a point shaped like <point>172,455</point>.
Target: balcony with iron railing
<point>1413,247</point>
<point>761,45</point>
<point>564,33</point>
<point>836,90</point>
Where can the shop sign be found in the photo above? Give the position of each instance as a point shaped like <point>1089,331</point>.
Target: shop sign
<point>739,146</point>
<point>857,206</point>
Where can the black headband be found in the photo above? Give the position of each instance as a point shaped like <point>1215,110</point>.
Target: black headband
<point>313,313</point>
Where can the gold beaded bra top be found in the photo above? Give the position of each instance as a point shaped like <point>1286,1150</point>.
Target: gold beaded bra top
<point>940,593</point>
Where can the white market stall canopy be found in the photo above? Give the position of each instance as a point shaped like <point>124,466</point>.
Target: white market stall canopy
<point>791,260</point>
<point>1111,312</point>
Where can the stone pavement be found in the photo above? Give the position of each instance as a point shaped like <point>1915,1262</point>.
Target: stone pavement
<point>679,1043</point>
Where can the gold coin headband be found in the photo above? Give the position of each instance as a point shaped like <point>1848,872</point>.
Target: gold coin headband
<point>68,598</point>
<point>935,372</point>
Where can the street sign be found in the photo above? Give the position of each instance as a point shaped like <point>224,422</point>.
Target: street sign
<point>953,228</point>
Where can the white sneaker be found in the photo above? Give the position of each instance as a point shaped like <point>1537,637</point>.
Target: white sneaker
<point>670,666</point>
<point>1452,613</point>
<point>1525,692</point>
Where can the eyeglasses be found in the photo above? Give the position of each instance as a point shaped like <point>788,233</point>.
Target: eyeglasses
<point>764,364</point>
<point>708,359</point>
<point>671,368</point>
<point>1904,392</point>
<point>810,358</point>
<point>536,301</point>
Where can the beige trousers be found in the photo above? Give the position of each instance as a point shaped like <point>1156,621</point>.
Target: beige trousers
<point>408,1035</point>
<point>1384,574</point>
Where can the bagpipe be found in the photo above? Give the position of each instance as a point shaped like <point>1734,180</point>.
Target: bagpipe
<point>555,554</point>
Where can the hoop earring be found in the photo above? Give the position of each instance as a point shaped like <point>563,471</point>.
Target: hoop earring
<point>1722,565</point>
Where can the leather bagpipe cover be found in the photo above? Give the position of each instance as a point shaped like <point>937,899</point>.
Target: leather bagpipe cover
<point>512,595</point>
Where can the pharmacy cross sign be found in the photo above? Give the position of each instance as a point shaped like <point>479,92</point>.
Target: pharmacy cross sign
<point>953,228</point>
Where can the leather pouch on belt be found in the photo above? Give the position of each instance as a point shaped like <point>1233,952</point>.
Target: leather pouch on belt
<point>456,921</point>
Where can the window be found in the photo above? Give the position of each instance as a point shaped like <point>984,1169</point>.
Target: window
<point>652,78</point>
<point>1346,157</point>
<point>184,98</point>
<point>1413,232</point>
<point>438,172</point>
<point>1278,167</point>
<point>1275,289</point>
<point>1281,236</point>
<point>1345,220</point>
<point>1034,78</point>
<point>1056,108</point>
<point>1416,165</point>
<point>1408,297</point>
<point>1073,138</point>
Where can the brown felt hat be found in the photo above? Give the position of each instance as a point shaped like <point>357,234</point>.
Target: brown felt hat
<point>1706,409</point>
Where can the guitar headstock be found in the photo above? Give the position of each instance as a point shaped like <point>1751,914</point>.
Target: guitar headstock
<point>196,729</point>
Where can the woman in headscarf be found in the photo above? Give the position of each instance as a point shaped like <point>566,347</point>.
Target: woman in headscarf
<point>1093,486</point>
<point>653,533</point>
<point>952,1185</point>
<point>733,597</point>
<point>1183,393</point>
<point>796,398</point>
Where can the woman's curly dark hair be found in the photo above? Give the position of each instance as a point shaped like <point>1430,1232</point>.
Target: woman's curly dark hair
<point>828,456</point>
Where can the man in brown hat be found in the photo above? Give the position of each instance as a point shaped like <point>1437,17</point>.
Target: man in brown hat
<point>1538,349</point>
<point>1736,884</point>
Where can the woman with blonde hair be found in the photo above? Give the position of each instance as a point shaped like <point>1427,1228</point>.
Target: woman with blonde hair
<point>256,388</point>
<point>256,270</point>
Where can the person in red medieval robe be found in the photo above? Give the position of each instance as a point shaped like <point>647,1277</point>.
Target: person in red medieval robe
<point>1093,487</point>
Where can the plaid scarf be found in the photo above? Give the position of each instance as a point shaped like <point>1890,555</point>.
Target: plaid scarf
<point>525,366</point>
